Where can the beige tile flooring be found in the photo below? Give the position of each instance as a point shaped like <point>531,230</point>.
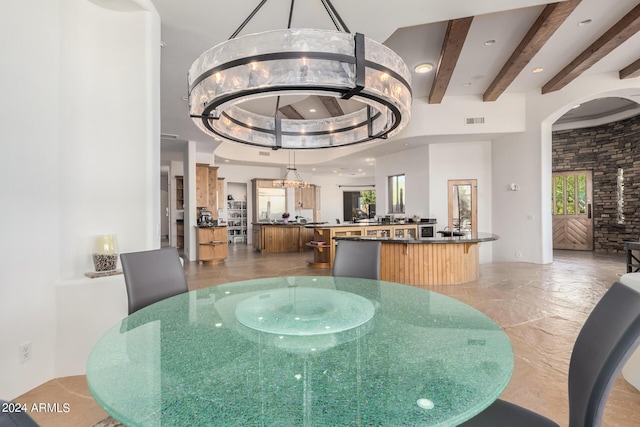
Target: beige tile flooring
<point>541,307</point>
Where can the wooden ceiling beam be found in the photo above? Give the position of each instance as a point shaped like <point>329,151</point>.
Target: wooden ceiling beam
<point>454,38</point>
<point>631,71</point>
<point>332,106</point>
<point>614,37</point>
<point>540,32</point>
<point>290,113</point>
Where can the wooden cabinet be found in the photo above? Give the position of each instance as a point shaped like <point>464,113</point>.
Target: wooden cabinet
<point>212,244</point>
<point>207,188</point>
<point>306,197</point>
<point>179,193</point>
<point>309,198</point>
<point>180,233</point>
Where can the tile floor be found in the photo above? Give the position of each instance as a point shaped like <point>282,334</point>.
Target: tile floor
<point>541,307</point>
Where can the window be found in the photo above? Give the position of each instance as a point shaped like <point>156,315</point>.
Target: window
<point>396,194</point>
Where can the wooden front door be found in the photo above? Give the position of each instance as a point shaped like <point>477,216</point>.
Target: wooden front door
<point>572,210</point>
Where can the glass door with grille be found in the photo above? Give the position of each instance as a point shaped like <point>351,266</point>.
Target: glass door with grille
<point>572,210</point>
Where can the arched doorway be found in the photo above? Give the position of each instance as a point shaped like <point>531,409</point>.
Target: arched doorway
<point>591,147</point>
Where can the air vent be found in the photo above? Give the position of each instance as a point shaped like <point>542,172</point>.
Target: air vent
<point>475,120</point>
<point>264,153</point>
<point>168,136</point>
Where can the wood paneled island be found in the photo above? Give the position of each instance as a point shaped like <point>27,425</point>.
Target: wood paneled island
<point>429,261</point>
<point>292,237</point>
<point>323,242</point>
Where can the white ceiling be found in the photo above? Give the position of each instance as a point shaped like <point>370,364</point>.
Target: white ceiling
<point>412,28</point>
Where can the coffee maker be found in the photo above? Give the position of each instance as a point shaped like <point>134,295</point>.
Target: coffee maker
<point>205,218</point>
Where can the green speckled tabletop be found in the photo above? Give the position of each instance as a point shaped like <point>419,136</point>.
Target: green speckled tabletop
<point>301,351</point>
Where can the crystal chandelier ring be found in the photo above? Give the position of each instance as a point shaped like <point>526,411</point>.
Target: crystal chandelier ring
<point>298,62</point>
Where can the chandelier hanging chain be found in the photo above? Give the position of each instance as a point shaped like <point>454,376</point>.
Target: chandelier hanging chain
<point>333,14</point>
<point>328,6</point>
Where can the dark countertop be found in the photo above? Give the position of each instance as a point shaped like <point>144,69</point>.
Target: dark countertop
<point>291,223</point>
<point>472,238</point>
<point>355,224</point>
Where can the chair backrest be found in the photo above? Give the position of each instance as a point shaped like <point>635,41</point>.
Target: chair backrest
<point>357,258</point>
<point>10,418</point>
<point>151,276</point>
<point>607,339</point>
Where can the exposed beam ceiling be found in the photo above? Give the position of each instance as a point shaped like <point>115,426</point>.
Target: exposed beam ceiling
<point>543,28</point>
<point>631,71</point>
<point>614,37</point>
<point>290,113</point>
<point>332,106</point>
<point>454,38</point>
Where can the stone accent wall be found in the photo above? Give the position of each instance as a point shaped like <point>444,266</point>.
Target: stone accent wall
<point>604,149</point>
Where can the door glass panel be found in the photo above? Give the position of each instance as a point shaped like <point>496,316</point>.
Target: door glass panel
<point>582,194</point>
<point>463,208</point>
<point>559,193</point>
<point>571,195</point>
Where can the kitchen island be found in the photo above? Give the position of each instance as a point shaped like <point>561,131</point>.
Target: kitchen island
<point>280,237</point>
<point>428,261</point>
<point>323,242</point>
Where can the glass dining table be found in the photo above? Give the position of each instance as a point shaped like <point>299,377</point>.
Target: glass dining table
<point>301,351</point>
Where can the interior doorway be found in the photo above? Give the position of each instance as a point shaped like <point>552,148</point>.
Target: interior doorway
<point>572,210</point>
<point>463,205</point>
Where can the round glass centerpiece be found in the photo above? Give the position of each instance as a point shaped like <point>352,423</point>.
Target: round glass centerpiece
<point>299,311</point>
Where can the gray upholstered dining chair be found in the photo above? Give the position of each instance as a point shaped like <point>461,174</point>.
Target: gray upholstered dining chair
<point>151,276</point>
<point>10,418</point>
<point>607,339</point>
<point>357,259</point>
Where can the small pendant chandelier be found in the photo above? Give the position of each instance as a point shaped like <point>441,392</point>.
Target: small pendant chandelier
<point>309,62</point>
<point>292,178</point>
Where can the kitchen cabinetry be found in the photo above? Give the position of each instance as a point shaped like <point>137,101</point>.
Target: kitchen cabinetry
<point>309,198</point>
<point>179,193</point>
<point>237,221</point>
<point>207,188</point>
<point>212,244</point>
<point>324,245</point>
<point>179,187</point>
<point>180,233</point>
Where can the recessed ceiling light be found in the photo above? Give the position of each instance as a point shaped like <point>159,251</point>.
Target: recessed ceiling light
<point>537,70</point>
<point>585,22</point>
<point>226,160</point>
<point>423,68</point>
<point>313,169</point>
<point>312,110</point>
<point>489,42</point>
<point>575,106</point>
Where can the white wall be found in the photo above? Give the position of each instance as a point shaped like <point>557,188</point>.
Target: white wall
<point>30,173</point>
<point>414,164</point>
<point>82,127</point>
<point>462,160</point>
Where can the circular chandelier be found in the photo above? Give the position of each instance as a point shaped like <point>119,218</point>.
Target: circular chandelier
<point>308,62</point>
